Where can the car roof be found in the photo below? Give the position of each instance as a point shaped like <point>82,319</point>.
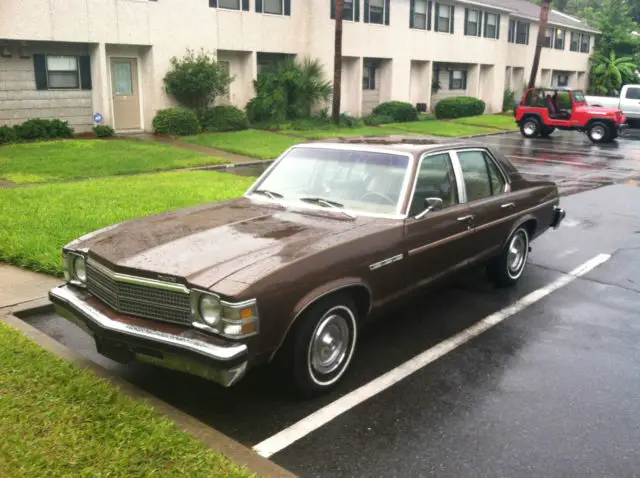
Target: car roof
<point>413,146</point>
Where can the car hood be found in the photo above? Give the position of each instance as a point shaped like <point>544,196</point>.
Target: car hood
<point>203,245</point>
<point>597,110</point>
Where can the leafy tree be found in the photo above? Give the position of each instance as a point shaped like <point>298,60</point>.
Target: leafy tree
<point>609,73</point>
<point>196,80</point>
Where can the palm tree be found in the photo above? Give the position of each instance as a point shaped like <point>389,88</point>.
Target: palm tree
<point>609,73</point>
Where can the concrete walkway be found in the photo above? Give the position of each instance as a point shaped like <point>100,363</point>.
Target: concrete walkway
<point>18,286</point>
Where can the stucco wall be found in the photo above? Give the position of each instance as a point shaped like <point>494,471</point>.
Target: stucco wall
<point>20,100</point>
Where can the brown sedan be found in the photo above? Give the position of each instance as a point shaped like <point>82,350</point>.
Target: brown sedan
<point>329,235</point>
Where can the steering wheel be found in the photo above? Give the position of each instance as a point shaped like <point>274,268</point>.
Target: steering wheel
<point>383,196</point>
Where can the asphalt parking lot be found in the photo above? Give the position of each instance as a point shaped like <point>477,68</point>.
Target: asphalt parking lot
<point>468,380</point>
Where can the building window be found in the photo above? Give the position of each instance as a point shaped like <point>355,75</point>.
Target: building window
<point>458,80</point>
<point>230,4</point>
<point>491,25</point>
<point>376,11</point>
<point>563,80</point>
<point>274,7</point>
<point>560,35</point>
<point>347,10</point>
<point>350,10</point>
<point>444,18</point>
<point>420,13</point>
<point>575,42</point>
<point>369,76</point>
<point>585,43</point>
<point>472,22</point>
<point>548,38</point>
<point>62,72</point>
<point>522,33</point>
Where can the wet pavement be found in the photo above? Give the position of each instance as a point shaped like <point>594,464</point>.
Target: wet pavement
<point>551,391</point>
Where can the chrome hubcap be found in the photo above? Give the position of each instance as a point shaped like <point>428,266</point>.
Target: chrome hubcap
<point>597,133</point>
<point>529,128</point>
<point>329,344</point>
<point>517,254</point>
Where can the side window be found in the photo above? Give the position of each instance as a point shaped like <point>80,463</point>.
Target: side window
<point>633,94</point>
<point>435,179</point>
<point>482,178</point>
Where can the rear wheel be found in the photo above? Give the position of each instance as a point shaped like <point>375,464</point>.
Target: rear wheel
<point>507,268</point>
<point>530,127</point>
<point>599,132</point>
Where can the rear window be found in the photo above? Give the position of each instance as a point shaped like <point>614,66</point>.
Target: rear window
<point>535,98</point>
<point>633,94</point>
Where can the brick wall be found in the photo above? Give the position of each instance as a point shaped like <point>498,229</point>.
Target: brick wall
<point>20,100</point>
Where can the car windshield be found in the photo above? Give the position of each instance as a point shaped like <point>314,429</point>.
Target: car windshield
<point>578,96</point>
<point>355,181</point>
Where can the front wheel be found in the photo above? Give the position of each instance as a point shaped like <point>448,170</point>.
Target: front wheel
<point>508,267</point>
<point>530,127</point>
<point>321,345</point>
<point>599,132</point>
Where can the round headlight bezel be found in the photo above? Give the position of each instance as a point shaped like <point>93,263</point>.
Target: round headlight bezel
<point>210,310</point>
<point>79,265</point>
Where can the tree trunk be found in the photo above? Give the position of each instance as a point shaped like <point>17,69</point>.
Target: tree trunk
<point>544,17</point>
<point>337,63</point>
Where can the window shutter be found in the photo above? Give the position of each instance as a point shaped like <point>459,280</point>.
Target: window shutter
<point>412,11</point>
<point>464,79</point>
<point>435,17</point>
<point>453,9</point>
<point>527,42</point>
<point>332,9</point>
<point>245,5</point>
<point>466,21</point>
<point>387,11</point>
<point>213,3</point>
<point>356,10</point>
<point>429,8</point>
<point>85,72</point>
<point>287,7</point>
<point>366,11</point>
<point>258,6</point>
<point>450,79</point>
<point>40,67</point>
<point>486,19</point>
<point>497,27</point>
<point>479,23</point>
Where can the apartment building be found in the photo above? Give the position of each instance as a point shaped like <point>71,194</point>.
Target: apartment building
<point>72,59</point>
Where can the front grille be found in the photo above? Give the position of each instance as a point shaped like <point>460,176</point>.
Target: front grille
<point>136,299</point>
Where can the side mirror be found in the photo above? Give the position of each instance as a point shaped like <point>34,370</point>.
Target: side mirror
<point>430,204</point>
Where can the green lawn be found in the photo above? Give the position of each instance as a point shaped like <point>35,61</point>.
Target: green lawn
<point>499,121</point>
<point>439,128</point>
<point>37,221</point>
<point>341,132</point>
<point>252,142</point>
<point>71,159</point>
<point>59,420</point>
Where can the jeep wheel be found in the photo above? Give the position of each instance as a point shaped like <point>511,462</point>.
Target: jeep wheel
<point>507,268</point>
<point>599,132</point>
<point>320,346</point>
<point>530,128</point>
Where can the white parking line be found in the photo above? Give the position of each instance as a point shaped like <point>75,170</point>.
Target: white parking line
<point>320,417</point>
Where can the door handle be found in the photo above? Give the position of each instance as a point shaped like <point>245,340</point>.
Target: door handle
<point>507,205</point>
<point>466,218</point>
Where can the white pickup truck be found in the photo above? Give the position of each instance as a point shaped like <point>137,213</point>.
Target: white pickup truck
<point>628,102</point>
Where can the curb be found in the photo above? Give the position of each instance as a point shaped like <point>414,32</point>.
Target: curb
<point>218,442</point>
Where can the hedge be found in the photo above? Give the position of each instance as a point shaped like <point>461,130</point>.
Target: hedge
<point>176,122</point>
<point>459,107</point>
<point>224,118</point>
<point>400,111</point>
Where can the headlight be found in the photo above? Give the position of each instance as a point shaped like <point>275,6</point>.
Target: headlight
<point>75,270</point>
<point>231,320</point>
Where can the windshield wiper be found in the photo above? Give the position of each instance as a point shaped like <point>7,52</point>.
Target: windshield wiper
<point>269,194</point>
<point>326,203</point>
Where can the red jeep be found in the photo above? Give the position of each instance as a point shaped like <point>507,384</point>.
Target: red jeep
<point>542,110</point>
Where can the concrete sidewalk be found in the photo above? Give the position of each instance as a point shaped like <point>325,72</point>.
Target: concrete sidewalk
<point>18,286</point>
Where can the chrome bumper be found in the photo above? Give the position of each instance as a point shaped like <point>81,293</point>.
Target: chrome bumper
<point>558,215</point>
<point>186,352</point>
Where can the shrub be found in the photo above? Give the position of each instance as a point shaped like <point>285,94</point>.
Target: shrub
<point>103,131</point>
<point>508,100</point>
<point>7,135</point>
<point>196,80</point>
<point>347,121</point>
<point>176,122</point>
<point>375,120</point>
<point>288,91</point>
<point>459,107</point>
<point>37,128</point>
<point>398,110</point>
<point>224,118</point>
<point>426,117</point>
